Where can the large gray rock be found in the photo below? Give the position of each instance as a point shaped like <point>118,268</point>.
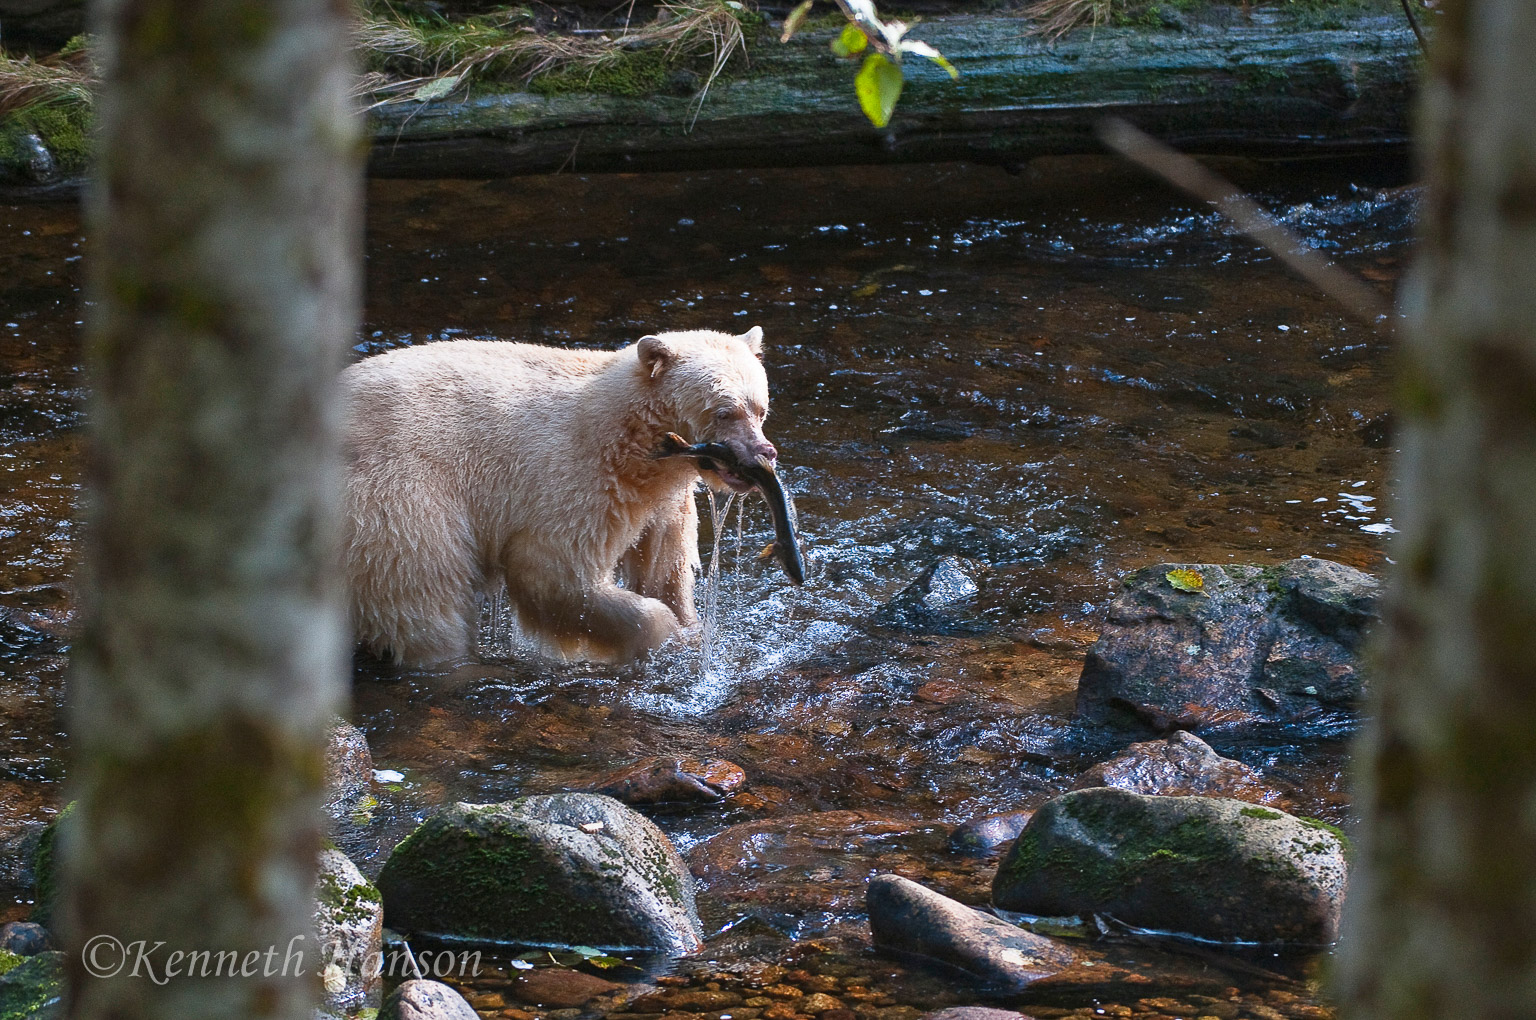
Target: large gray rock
<point>419,999</point>
<point>569,869</point>
<point>908,918</point>
<point>349,929</point>
<point>1181,765</point>
<point>1258,644</point>
<point>1213,868</point>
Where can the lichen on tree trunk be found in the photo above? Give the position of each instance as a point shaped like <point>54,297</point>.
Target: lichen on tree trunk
<point>224,222</point>
<point>1439,916</point>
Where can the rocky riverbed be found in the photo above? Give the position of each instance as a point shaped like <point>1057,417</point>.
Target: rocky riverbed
<point>996,398</point>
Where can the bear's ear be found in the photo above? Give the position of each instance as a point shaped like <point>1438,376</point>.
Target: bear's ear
<point>753,338</point>
<point>655,355</point>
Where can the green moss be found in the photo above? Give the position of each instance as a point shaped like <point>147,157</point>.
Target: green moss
<point>45,868</point>
<point>1258,812</point>
<point>485,871</point>
<point>631,73</point>
<point>1337,833</point>
<point>64,129</point>
<point>1195,850</point>
<point>347,904</point>
<point>9,961</point>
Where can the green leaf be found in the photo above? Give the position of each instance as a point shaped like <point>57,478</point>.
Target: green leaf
<point>587,951</point>
<point>922,49</point>
<point>608,962</point>
<point>878,87</point>
<point>852,40</point>
<point>1187,580</point>
<point>795,20</point>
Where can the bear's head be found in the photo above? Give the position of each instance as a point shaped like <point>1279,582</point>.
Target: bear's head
<point>712,388</point>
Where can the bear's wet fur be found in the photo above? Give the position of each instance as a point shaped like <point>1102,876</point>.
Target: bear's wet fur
<point>473,462</point>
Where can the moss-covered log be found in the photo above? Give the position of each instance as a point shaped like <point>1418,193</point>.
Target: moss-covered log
<point>1276,81</point>
<point>1303,78</point>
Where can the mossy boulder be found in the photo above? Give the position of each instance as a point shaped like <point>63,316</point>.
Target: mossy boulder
<point>1250,644</point>
<point>33,989</point>
<point>45,879</point>
<point>564,869</point>
<point>1213,868</point>
<point>349,930</point>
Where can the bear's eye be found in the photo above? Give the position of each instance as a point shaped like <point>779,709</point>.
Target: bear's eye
<point>727,413</point>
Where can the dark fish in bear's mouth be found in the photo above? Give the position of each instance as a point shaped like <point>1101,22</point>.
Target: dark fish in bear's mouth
<point>713,456</point>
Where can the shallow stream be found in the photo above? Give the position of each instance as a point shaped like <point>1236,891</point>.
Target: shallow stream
<point>1058,376</point>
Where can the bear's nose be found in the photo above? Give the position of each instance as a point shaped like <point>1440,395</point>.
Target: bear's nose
<point>766,449</point>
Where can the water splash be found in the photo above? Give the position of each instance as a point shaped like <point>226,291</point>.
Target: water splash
<point>719,516</point>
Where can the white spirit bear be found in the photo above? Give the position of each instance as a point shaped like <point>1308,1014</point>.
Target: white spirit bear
<point>472,462</point>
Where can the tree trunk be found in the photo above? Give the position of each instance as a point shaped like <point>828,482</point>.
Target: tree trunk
<point>1440,915</point>
<point>223,222</point>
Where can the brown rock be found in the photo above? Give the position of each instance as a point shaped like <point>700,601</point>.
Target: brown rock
<point>486,1000</point>
<point>558,988</point>
<point>817,1003</point>
<point>1182,765</point>
<point>695,1000</point>
<point>779,1011</point>
<point>673,780</point>
<point>783,992</point>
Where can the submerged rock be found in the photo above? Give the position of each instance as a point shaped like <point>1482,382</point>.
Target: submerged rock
<point>1182,765</point>
<point>558,988</point>
<point>349,929</point>
<point>1257,644</point>
<point>974,1013</point>
<point>820,862</point>
<point>420,999</point>
<point>569,869</point>
<point>908,918</point>
<point>673,780</point>
<point>987,833</point>
<point>1202,866</point>
<point>34,988</point>
<point>941,601</point>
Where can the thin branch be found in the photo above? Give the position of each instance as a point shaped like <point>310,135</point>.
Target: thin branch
<point>1413,23</point>
<point>1187,175</point>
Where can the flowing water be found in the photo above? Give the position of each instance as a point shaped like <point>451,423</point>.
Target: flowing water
<point>1057,376</point>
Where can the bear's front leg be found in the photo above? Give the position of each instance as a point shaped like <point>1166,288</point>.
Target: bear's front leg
<point>661,565</point>
<point>602,621</point>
